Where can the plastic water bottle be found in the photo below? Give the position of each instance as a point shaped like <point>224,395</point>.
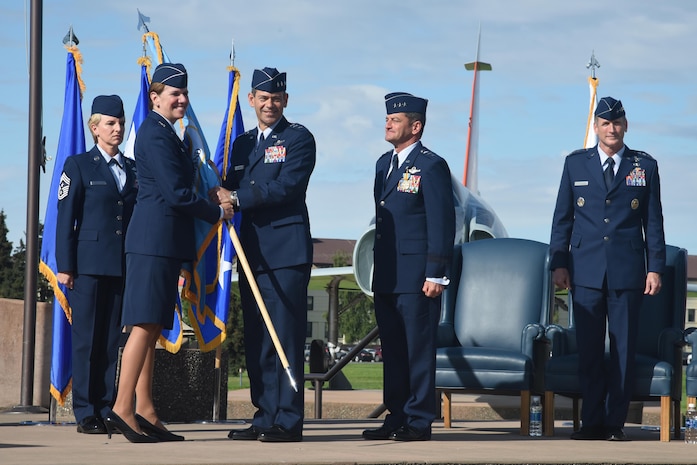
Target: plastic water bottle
<point>536,417</point>
<point>691,425</point>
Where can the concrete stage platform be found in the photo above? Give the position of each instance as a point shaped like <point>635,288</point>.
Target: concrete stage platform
<point>28,439</point>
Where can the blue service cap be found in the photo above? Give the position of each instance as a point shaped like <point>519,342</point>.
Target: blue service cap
<point>269,80</point>
<point>401,102</point>
<point>610,109</point>
<point>109,105</point>
<point>171,74</point>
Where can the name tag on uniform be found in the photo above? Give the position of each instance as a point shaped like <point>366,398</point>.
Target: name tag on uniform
<point>275,154</point>
<point>97,183</point>
<point>580,183</point>
<point>239,168</point>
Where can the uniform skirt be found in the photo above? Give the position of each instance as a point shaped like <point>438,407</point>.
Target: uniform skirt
<point>151,290</point>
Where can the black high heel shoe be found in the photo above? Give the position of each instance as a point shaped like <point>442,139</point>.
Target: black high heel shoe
<point>114,422</point>
<point>160,434</point>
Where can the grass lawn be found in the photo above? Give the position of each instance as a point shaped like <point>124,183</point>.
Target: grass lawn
<point>369,376</point>
<point>361,375</point>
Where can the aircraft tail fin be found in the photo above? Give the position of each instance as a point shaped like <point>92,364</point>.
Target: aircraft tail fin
<point>469,178</point>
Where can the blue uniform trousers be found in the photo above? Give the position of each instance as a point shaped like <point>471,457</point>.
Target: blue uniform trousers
<point>284,292</point>
<point>408,325</point>
<point>96,333</point>
<point>606,386</point>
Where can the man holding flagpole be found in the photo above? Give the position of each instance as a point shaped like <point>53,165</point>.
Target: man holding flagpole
<point>267,181</point>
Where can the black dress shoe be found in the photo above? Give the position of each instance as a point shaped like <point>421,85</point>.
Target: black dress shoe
<point>248,434</point>
<point>616,434</point>
<point>376,434</point>
<point>115,422</point>
<point>91,425</point>
<point>162,435</point>
<point>589,434</point>
<point>407,433</point>
<point>280,434</point>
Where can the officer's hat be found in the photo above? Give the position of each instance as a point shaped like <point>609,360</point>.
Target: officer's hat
<point>269,80</point>
<point>109,105</point>
<point>401,102</point>
<point>171,74</point>
<point>610,109</point>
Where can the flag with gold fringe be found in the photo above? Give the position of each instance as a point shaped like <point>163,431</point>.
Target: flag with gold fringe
<point>591,137</point>
<point>232,123</point>
<point>142,106</point>
<point>217,297</point>
<point>71,141</point>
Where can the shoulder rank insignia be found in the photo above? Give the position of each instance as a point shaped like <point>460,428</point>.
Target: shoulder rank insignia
<point>63,186</point>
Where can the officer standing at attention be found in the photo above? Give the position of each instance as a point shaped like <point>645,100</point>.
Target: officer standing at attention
<point>608,247</point>
<point>270,170</point>
<point>414,236</point>
<point>159,240</point>
<point>95,201</point>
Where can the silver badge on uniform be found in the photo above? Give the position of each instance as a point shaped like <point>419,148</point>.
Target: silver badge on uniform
<point>580,201</point>
<point>63,186</point>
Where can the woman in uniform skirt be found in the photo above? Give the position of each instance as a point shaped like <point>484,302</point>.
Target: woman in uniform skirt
<point>159,240</point>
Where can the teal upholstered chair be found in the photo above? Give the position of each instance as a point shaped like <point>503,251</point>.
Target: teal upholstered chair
<point>658,355</point>
<point>491,333</point>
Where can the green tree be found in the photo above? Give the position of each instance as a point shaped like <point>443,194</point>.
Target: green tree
<point>356,312</point>
<point>13,265</point>
<point>234,340</point>
<point>341,258</point>
<point>44,292</point>
<point>6,264</point>
<point>356,315</point>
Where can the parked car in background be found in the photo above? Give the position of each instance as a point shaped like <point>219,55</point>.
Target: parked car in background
<point>377,355</point>
<point>341,352</point>
<point>363,356</point>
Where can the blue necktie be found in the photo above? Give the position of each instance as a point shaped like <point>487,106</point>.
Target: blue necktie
<point>395,167</point>
<point>119,174</point>
<point>609,173</point>
<point>261,139</point>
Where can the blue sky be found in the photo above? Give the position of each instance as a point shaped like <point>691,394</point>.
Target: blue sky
<point>342,57</point>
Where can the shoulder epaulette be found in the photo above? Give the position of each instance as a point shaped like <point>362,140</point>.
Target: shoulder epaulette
<point>427,152</point>
<point>579,151</point>
<point>642,154</point>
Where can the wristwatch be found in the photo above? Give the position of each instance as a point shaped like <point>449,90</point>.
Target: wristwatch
<point>233,198</point>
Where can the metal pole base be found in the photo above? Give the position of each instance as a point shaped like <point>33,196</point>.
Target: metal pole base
<point>26,409</point>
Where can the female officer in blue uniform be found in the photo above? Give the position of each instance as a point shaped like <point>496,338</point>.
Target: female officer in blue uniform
<point>159,240</point>
<point>95,201</point>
